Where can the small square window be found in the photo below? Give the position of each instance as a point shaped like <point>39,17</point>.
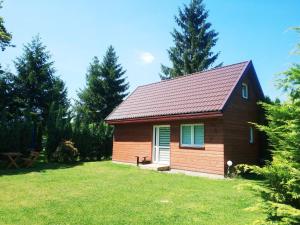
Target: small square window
<point>244,90</point>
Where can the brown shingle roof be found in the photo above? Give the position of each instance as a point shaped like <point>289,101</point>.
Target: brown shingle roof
<point>199,92</point>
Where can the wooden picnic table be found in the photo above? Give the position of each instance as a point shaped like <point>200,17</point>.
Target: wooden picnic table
<point>12,157</point>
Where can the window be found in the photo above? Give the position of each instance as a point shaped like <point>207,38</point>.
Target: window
<point>192,135</point>
<point>244,90</point>
<point>251,137</point>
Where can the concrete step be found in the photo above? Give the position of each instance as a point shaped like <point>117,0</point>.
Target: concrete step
<point>163,168</point>
<point>154,166</point>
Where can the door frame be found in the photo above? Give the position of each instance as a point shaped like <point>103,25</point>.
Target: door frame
<point>155,148</point>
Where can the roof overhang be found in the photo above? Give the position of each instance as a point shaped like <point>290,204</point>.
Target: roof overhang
<point>190,116</point>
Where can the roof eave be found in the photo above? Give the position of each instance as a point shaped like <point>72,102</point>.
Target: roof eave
<point>190,116</point>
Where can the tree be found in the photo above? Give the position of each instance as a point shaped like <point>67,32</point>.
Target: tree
<point>6,78</point>
<point>281,187</point>
<point>91,97</point>
<point>9,98</point>
<point>193,42</point>
<point>106,87</point>
<point>38,86</point>
<point>5,39</point>
<point>36,81</point>
<point>5,36</point>
<point>115,85</point>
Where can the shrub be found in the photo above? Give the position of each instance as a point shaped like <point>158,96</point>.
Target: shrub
<point>281,186</point>
<point>65,152</point>
<point>15,135</point>
<point>94,141</point>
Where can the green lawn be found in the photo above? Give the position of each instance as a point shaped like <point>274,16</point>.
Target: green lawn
<point>108,193</point>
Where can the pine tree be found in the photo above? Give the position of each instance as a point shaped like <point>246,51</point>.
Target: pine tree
<point>193,42</point>
<point>106,87</point>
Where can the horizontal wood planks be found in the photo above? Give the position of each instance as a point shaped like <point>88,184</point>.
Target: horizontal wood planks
<point>237,117</point>
<point>136,139</point>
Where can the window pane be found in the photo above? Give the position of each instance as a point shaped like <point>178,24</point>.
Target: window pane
<point>251,135</point>
<point>199,135</point>
<point>164,136</point>
<point>186,135</point>
<point>244,90</point>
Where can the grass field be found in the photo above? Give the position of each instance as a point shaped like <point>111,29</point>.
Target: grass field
<point>108,193</point>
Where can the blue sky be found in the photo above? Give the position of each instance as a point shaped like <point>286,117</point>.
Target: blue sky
<point>76,30</point>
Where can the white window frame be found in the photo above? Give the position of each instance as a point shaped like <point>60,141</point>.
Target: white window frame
<point>192,145</point>
<point>246,94</point>
<point>251,135</point>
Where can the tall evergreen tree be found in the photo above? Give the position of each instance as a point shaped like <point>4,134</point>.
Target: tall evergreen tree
<point>38,86</point>
<point>36,81</point>
<point>106,87</point>
<point>193,42</point>
<point>115,85</point>
<point>90,98</point>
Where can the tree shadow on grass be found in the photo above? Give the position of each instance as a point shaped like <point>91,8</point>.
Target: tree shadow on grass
<point>37,167</point>
<point>252,176</point>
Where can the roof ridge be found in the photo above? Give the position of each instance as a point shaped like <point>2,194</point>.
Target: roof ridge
<point>191,74</point>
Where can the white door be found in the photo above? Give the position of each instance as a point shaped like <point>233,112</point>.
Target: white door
<point>161,144</point>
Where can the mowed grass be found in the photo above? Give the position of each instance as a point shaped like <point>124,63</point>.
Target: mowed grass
<point>108,193</point>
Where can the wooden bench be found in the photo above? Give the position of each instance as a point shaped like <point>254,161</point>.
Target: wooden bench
<point>28,161</point>
<point>144,161</point>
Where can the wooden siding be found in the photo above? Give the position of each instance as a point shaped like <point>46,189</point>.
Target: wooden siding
<point>209,159</point>
<point>237,115</point>
<point>136,139</point>
<point>132,140</point>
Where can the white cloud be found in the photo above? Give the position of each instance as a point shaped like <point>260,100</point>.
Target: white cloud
<point>147,57</point>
